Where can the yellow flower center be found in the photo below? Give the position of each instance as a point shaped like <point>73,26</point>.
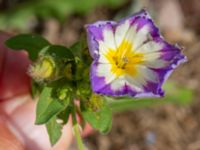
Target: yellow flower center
<point>124,59</point>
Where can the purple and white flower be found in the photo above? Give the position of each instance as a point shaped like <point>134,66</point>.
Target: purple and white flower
<point>130,57</point>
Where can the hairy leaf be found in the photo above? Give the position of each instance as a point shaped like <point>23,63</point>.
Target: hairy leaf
<point>33,44</point>
<point>47,107</point>
<point>54,130</point>
<point>100,119</point>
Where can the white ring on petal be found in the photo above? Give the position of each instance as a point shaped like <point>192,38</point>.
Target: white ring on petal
<point>147,74</point>
<point>108,38</point>
<point>104,70</point>
<point>150,47</point>
<point>121,31</point>
<point>141,36</point>
<point>118,84</point>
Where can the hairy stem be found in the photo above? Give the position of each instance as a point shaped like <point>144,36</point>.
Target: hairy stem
<point>76,130</point>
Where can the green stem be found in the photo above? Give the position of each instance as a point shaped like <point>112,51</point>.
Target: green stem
<point>77,131</point>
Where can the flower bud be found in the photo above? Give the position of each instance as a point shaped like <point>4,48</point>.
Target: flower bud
<point>95,102</point>
<point>44,69</point>
<point>64,94</point>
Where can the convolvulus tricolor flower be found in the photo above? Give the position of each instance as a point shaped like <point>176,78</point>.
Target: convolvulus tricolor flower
<point>130,57</point>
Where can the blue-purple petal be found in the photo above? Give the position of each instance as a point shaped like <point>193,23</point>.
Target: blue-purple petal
<point>95,34</point>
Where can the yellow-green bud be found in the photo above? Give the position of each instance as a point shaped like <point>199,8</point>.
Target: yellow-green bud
<point>64,94</point>
<point>43,69</point>
<point>95,102</point>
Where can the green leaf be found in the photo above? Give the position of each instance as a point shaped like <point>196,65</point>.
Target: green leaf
<point>33,44</point>
<point>101,119</point>
<point>35,89</point>
<point>174,94</point>
<point>60,52</point>
<point>47,107</point>
<point>64,115</point>
<point>80,51</point>
<point>54,130</point>
<point>83,60</point>
<point>78,47</point>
